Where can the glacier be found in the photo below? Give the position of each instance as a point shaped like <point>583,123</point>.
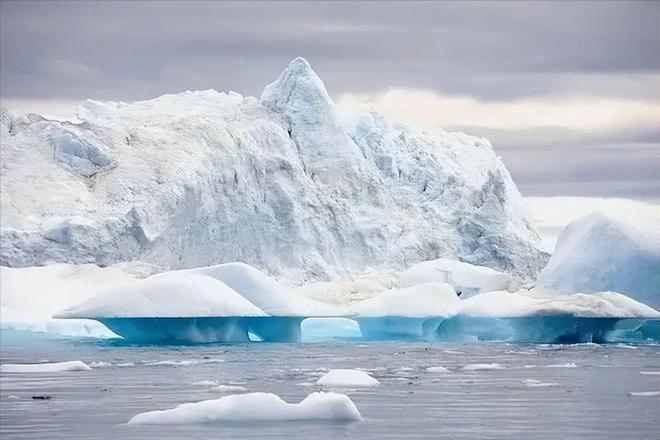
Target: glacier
<point>283,183</point>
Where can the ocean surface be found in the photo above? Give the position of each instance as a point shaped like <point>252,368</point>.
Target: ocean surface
<point>581,391</point>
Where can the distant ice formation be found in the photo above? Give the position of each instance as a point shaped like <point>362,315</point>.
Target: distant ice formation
<point>608,252</point>
<point>255,407</point>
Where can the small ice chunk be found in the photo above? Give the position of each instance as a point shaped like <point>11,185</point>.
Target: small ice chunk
<point>437,370</point>
<point>650,373</point>
<point>533,383</point>
<point>205,383</point>
<point>566,365</point>
<point>347,378</point>
<point>255,407</point>
<point>54,367</point>
<point>645,393</point>
<point>229,389</point>
<point>183,362</point>
<point>475,367</point>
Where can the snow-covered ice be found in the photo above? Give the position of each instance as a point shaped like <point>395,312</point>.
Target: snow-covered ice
<point>54,367</point>
<point>283,183</point>
<point>464,277</point>
<point>31,295</point>
<point>347,378</point>
<point>608,252</point>
<point>433,299</point>
<point>411,312</point>
<point>253,407</point>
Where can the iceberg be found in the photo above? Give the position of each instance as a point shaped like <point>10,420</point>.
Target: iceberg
<point>282,182</point>
<point>608,251</point>
<point>410,313</point>
<point>526,317</point>
<point>200,306</point>
<point>347,378</point>
<point>255,407</point>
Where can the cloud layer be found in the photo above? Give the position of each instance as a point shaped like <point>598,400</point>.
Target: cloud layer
<point>567,91</point>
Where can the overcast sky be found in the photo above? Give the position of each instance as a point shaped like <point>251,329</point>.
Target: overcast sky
<point>568,92</point>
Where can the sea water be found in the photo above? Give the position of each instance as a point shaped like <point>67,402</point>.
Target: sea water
<point>587,397</point>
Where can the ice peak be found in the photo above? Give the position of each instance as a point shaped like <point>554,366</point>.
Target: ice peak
<point>298,90</point>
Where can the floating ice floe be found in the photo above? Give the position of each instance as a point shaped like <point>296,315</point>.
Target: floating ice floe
<point>437,370</point>
<point>253,407</point>
<point>347,378</point>
<point>650,373</point>
<point>479,367</point>
<point>54,367</point>
<point>645,393</point>
<point>411,312</point>
<point>533,383</point>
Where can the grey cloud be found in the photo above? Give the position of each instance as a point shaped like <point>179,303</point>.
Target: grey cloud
<point>490,50</point>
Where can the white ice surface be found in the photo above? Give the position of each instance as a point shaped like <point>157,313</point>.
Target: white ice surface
<point>437,369</point>
<point>463,277</point>
<point>282,183</point>
<point>177,294</point>
<point>552,214</point>
<point>254,407</point>
<point>479,367</point>
<point>347,378</point>
<point>607,251</point>
<point>510,305</point>
<point>54,367</point>
<point>422,300</point>
<point>31,295</point>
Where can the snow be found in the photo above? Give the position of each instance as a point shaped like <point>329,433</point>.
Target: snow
<point>478,367</point>
<point>347,378</point>
<point>464,277</point>
<point>595,305</point>
<point>431,299</point>
<point>282,183</point>
<point>608,252</point>
<point>253,407</point>
<point>54,367</point>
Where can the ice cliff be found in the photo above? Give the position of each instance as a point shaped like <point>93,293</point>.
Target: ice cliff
<point>283,183</point>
